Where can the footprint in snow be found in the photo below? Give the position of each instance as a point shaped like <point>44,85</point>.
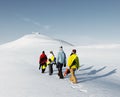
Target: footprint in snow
<point>79,87</point>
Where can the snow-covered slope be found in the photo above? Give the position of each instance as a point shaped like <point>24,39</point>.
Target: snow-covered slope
<point>98,76</point>
<point>36,39</point>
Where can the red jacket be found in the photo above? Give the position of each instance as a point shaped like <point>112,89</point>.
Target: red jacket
<point>43,59</point>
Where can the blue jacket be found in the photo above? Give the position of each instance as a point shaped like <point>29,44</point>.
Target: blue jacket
<point>61,57</point>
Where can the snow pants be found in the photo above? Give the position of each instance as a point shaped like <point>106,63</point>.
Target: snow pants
<point>43,70</point>
<point>60,74</point>
<point>50,69</point>
<point>73,78</point>
<point>44,67</point>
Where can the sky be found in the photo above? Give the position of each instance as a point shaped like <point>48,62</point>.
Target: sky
<point>75,21</point>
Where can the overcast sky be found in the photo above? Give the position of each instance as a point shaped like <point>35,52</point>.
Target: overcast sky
<point>76,21</point>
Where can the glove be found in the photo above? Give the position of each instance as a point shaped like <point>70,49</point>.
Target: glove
<point>39,66</point>
<point>50,60</point>
<point>64,65</point>
<point>56,65</point>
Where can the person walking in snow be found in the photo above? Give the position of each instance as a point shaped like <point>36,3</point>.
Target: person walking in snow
<point>61,61</point>
<point>42,61</point>
<point>51,60</point>
<point>73,64</point>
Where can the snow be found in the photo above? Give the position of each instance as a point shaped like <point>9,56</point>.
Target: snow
<point>98,76</point>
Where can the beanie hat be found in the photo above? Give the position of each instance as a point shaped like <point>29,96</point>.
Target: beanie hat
<point>74,50</point>
<point>61,48</point>
<point>43,51</point>
<point>51,52</point>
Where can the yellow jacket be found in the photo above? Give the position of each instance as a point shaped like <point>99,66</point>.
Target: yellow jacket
<point>50,57</point>
<point>73,61</point>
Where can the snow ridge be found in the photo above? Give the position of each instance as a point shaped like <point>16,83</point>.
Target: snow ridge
<point>35,38</point>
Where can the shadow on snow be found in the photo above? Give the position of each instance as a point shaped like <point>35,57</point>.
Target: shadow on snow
<point>92,74</point>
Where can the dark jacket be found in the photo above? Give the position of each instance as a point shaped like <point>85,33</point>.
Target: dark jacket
<point>43,59</point>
